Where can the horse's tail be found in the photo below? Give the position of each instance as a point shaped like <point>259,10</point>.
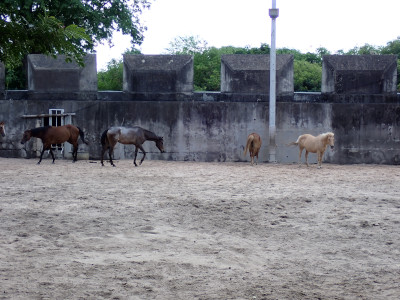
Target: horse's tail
<point>82,135</point>
<point>249,141</point>
<point>296,143</point>
<point>104,138</point>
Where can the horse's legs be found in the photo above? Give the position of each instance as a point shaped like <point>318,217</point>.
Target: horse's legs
<point>75,153</point>
<point>41,155</point>
<point>306,157</point>
<point>300,152</point>
<point>144,154</point>
<point>110,152</point>
<point>52,155</point>
<point>134,158</point>
<point>102,154</point>
<point>319,156</point>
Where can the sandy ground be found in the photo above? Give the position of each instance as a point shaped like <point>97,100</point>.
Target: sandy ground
<point>185,230</point>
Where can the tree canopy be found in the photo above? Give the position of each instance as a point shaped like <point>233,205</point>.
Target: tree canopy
<point>64,27</point>
<point>207,63</point>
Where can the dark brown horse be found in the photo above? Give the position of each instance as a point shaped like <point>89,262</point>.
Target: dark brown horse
<point>56,135</point>
<point>132,135</point>
<point>2,129</point>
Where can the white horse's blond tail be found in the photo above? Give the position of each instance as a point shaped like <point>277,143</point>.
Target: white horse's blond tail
<point>296,143</point>
<point>249,141</point>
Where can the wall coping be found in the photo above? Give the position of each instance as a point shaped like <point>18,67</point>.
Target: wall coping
<point>303,97</point>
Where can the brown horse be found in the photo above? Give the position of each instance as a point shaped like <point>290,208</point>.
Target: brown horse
<point>314,144</point>
<point>253,144</point>
<point>2,129</point>
<point>55,135</point>
<point>124,135</point>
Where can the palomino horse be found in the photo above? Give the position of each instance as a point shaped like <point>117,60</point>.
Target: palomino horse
<point>2,129</point>
<point>253,145</point>
<point>314,144</point>
<point>128,135</point>
<point>56,135</point>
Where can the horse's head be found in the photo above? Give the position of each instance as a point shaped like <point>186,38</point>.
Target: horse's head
<point>2,129</point>
<point>160,144</point>
<point>331,139</point>
<point>26,137</point>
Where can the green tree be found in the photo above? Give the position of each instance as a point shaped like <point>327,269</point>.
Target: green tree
<point>207,70</point>
<point>21,34</point>
<point>187,45</point>
<point>71,27</point>
<point>364,50</point>
<point>393,47</point>
<point>307,76</point>
<point>111,79</point>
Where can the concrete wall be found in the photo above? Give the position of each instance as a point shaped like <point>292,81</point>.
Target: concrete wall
<point>158,74</point>
<point>214,126</point>
<point>54,78</point>
<point>245,73</point>
<point>359,74</point>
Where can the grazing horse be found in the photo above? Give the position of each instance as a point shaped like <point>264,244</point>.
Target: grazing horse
<point>2,129</point>
<point>253,145</point>
<point>55,135</point>
<point>314,144</point>
<point>128,135</point>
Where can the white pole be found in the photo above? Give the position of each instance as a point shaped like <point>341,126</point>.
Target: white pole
<point>273,13</point>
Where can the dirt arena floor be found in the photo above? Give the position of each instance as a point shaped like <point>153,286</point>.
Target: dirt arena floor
<point>186,230</point>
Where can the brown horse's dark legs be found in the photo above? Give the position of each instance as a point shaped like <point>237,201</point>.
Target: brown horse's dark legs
<point>75,153</point>
<point>134,160</point>
<point>110,152</point>
<point>144,154</point>
<point>41,155</point>
<point>52,155</point>
<point>103,151</point>
<point>102,156</point>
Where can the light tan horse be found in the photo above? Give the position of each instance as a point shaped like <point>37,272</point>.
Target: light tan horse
<point>314,144</point>
<point>253,144</point>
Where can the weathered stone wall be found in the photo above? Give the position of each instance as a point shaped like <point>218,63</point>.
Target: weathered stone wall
<point>153,74</point>
<point>214,126</point>
<point>54,78</point>
<point>249,74</point>
<point>359,74</point>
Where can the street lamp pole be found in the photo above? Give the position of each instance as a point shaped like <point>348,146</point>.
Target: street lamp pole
<point>273,13</point>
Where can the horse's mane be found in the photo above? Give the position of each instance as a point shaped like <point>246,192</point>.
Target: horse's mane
<point>327,134</point>
<point>39,130</point>
<point>151,136</point>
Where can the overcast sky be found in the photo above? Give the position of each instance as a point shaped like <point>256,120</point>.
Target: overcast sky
<point>304,25</point>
